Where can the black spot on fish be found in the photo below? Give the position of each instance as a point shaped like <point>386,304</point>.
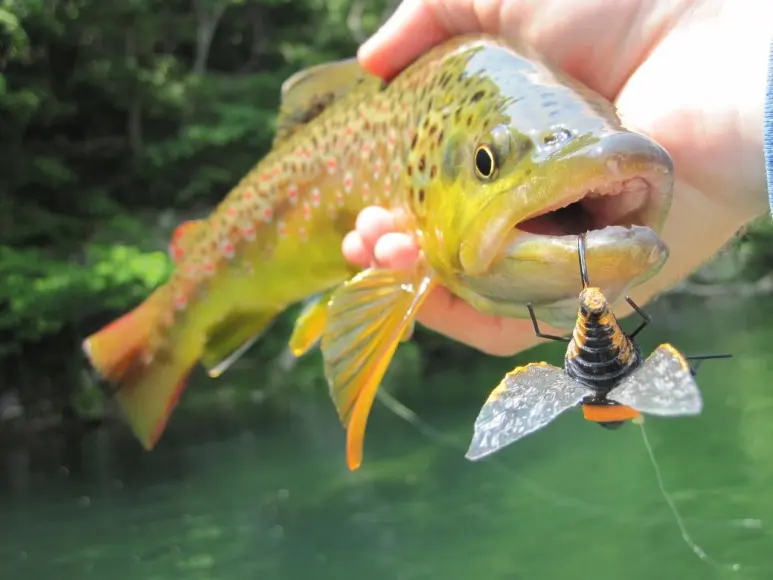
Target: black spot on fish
<point>421,196</point>
<point>477,96</point>
<point>422,163</point>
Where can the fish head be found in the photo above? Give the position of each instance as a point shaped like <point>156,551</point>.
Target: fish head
<point>511,160</point>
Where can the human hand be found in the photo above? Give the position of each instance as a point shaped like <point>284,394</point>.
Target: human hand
<point>689,73</point>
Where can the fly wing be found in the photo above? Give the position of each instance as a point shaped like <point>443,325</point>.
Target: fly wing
<point>662,385</point>
<point>527,399</point>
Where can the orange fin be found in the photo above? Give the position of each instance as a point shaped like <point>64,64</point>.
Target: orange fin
<point>146,390</point>
<point>310,324</point>
<point>231,338</point>
<point>368,316</point>
<point>183,238</point>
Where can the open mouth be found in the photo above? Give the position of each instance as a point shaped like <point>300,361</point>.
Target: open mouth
<point>610,203</point>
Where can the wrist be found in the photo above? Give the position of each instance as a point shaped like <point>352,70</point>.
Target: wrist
<point>751,27</point>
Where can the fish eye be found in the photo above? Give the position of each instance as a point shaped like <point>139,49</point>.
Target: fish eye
<point>485,162</point>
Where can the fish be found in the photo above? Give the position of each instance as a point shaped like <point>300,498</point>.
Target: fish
<point>493,159</point>
<point>604,372</point>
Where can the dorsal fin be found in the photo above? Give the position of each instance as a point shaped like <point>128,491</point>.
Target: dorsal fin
<point>312,90</point>
<point>183,238</point>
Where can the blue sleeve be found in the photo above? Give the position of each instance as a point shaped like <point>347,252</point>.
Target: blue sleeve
<point>768,138</point>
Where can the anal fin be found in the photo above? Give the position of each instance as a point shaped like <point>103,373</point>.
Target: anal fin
<point>367,318</point>
<point>310,324</point>
<point>231,338</point>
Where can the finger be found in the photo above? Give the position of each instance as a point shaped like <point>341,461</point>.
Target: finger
<point>396,250</point>
<point>354,250</point>
<point>372,223</point>
<point>409,32</point>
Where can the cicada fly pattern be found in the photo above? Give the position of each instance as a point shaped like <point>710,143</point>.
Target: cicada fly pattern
<point>604,372</point>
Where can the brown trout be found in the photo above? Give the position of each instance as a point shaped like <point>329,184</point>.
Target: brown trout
<point>496,160</point>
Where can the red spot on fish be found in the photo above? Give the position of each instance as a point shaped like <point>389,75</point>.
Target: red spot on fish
<point>377,167</point>
<point>227,249</point>
<point>265,177</point>
<point>316,197</point>
<point>180,302</point>
<point>292,194</point>
<point>248,195</point>
<point>276,171</point>
<point>208,267</point>
<point>175,249</point>
<point>349,131</point>
<point>176,253</point>
<point>231,211</point>
<point>331,165</point>
<point>306,211</point>
<point>348,181</point>
<point>267,215</point>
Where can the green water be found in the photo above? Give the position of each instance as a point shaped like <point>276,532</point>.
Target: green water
<point>239,498</point>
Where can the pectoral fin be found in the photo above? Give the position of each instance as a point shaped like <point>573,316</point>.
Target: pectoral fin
<point>367,318</point>
<point>310,324</point>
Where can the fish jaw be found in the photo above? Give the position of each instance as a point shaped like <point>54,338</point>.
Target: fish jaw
<point>545,271</point>
<point>619,178</point>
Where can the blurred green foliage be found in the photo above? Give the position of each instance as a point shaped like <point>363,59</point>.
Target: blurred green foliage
<point>119,119</point>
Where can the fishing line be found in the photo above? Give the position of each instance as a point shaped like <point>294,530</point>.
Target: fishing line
<point>686,537</point>
<point>399,409</point>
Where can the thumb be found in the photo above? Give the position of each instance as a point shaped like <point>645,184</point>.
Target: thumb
<point>409,32</point>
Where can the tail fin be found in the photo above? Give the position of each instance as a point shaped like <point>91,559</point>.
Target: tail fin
<point>147,391</point>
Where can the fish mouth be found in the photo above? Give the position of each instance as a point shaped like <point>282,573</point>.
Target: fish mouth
<point>632,187</point>
<point>626,202</point>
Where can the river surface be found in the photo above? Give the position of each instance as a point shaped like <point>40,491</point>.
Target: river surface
<point>239,497</point>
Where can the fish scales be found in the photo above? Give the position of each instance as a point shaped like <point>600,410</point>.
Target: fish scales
<point>346,140</point>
